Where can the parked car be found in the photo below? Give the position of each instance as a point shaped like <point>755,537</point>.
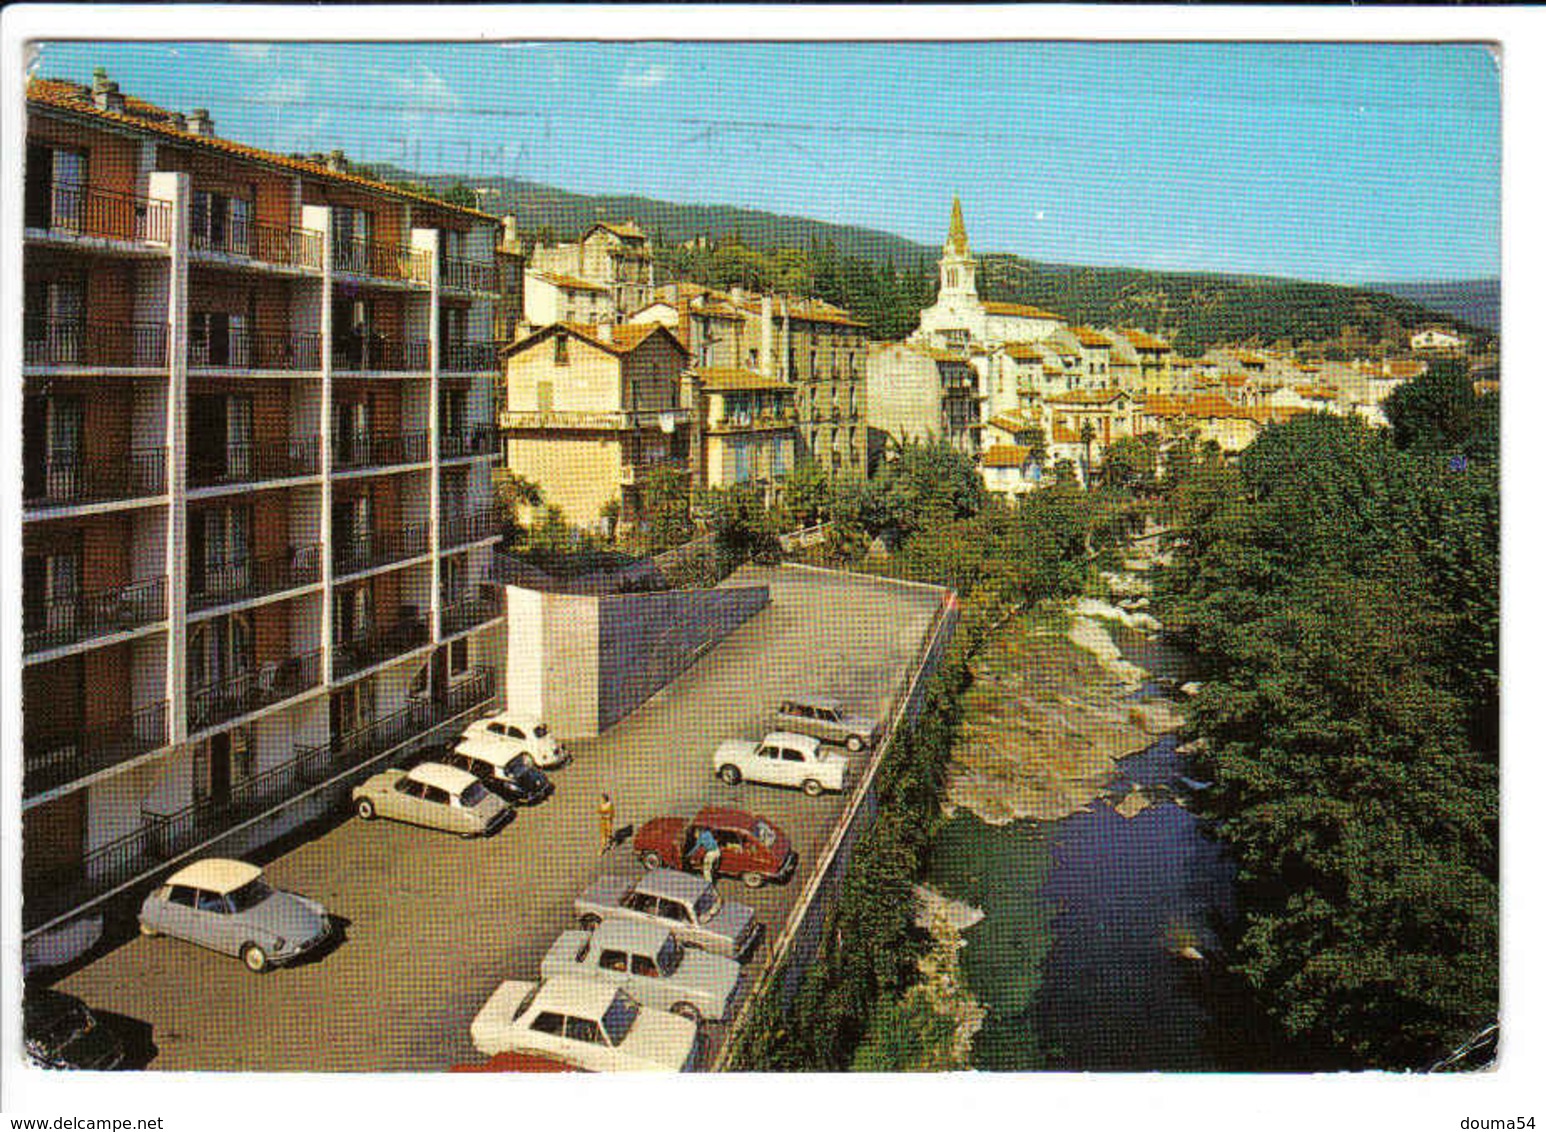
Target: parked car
<point>647,961</point>
<point>510,774</point>
<point>586,1023</point>
<point>683,903</point>
<point>227,906</point>
<point>825,718</point>
<point>517,734</point>
<point>508,1062</point>
<point>751,847</point>
<point>440,797</point>
<point>781,759</point>
<point>60,1032</point>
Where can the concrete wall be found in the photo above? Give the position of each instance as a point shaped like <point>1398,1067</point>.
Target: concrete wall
<point>582,662</point>
<point>646,640</point>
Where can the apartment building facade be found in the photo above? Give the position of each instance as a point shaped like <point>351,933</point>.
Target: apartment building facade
<point>589,411</point>
<point>257,438</point>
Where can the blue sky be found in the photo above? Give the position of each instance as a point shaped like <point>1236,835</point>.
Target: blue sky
<point>1336,162</point>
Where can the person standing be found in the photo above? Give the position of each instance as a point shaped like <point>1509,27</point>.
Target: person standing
<point>708,845</point>
<point>604,817</point>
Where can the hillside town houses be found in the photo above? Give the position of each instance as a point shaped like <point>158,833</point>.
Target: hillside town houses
<point>267,400</point>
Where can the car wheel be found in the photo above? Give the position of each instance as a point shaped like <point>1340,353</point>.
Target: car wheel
<point>812,787</point>
<point>729,775</point>
<point>855,743</point>
<point>590,921</point>
<point>687,1010</point>
<point>254,959</point>
<point>148,931</point>
<point>651,860</point>
<point>753,880</point>
<point>365,808</point>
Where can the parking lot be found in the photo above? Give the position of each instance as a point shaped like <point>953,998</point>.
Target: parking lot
<point>435,923</point>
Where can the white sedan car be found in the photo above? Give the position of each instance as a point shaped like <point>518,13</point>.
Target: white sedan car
<point>782,759</point>
<point>589,1024</point>
<point>508,734</point>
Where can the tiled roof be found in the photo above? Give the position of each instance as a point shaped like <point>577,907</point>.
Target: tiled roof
<point>1023,351</point>
<point>141,115</point>
<point>730,378</point>
<point>1087,396</point>
<point>935,355</point>
<point>1088,337</point>
<point>1235,380</point>
<point>1062,434</point>
<point>1019,310</point>
<point>568,282</point>
<point>626,337</point>
<point>1406,369</point>
<point>1143,340</point>
<point>1007,456</point>
<point>1011,422</point>
<point>628,230</point>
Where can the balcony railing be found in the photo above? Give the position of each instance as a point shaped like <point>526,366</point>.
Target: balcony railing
<point>381,261</point>
<point>353,450</point>
<point>357,352</point>
<point>256,349</point>
<point>162,837</point>
<point>65,481</point>
<point>746,422</point>
<point>54,757</point>
<point>101,613</point>
<point>362,743</point>
<point>469,357</point>
<point>379,548</point>
<point>271,243</point>
<point>469,612</point>
<point>619,420</point>
<point>249,463</point>
<point>376,646</point>
<point>77,210</point>
<point>480,440</point>
<point>634,471</point>
<point>213,704</point>
<point>456,530</point>
<point>62,342</point>
<point>465,275</point>
<point>226,582</point>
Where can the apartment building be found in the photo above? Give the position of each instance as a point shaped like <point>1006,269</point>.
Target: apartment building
<point>590,410</point>
<point>818,350</point>
<point>257,442</point>
<point>606,273</point>
<point>919,393</point>
<point>749,425</point>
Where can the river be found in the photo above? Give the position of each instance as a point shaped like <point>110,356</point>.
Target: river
<point>1099,946</point>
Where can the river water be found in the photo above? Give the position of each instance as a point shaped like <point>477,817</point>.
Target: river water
<point>1099,949</point>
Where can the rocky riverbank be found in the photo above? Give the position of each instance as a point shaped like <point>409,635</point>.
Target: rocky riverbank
<point>1053,706</point>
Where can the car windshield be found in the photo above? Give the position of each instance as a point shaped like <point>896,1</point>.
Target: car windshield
<point>706,905</point>
<point>474,794</point>
<point>670,957</point>
<point>618,1019</point>
<point>763,832</point>
<point>249,895</point>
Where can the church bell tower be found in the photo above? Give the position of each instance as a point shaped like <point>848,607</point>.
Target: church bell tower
<point>957,266</point>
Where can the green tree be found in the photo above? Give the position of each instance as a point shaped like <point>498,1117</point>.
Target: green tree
<point>1438,412</point>
<point>807,493</point>
<point>461,195</point>
<point>928,483</point>
<point>743,528</point>
<point>665,506</point>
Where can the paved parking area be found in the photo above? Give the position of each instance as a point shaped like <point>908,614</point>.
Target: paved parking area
<point>435,923</point>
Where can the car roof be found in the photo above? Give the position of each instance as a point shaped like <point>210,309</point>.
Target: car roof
<point>790,739</point>
<point>670,882</point>
<point>448,778</point>
<point>632,934</point>
<point>216,874</point>
<point>500,757</point>
<point>571,994</point>
<point>724,816</point>
<point>813,701</point>
<point>526,721</point>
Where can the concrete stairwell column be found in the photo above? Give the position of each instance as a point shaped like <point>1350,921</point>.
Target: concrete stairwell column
<point>318,218</point>
<point>173,189</point>
<point>427,240</point>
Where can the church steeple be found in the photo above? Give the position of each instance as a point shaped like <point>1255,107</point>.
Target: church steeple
<point>956,241</point>
<point>957,266</point>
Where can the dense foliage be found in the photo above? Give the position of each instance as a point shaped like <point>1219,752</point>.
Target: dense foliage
<point>1340,590</point>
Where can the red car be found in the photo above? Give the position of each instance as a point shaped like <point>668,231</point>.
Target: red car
<point>509,1062</point>
<point>752,847</point>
